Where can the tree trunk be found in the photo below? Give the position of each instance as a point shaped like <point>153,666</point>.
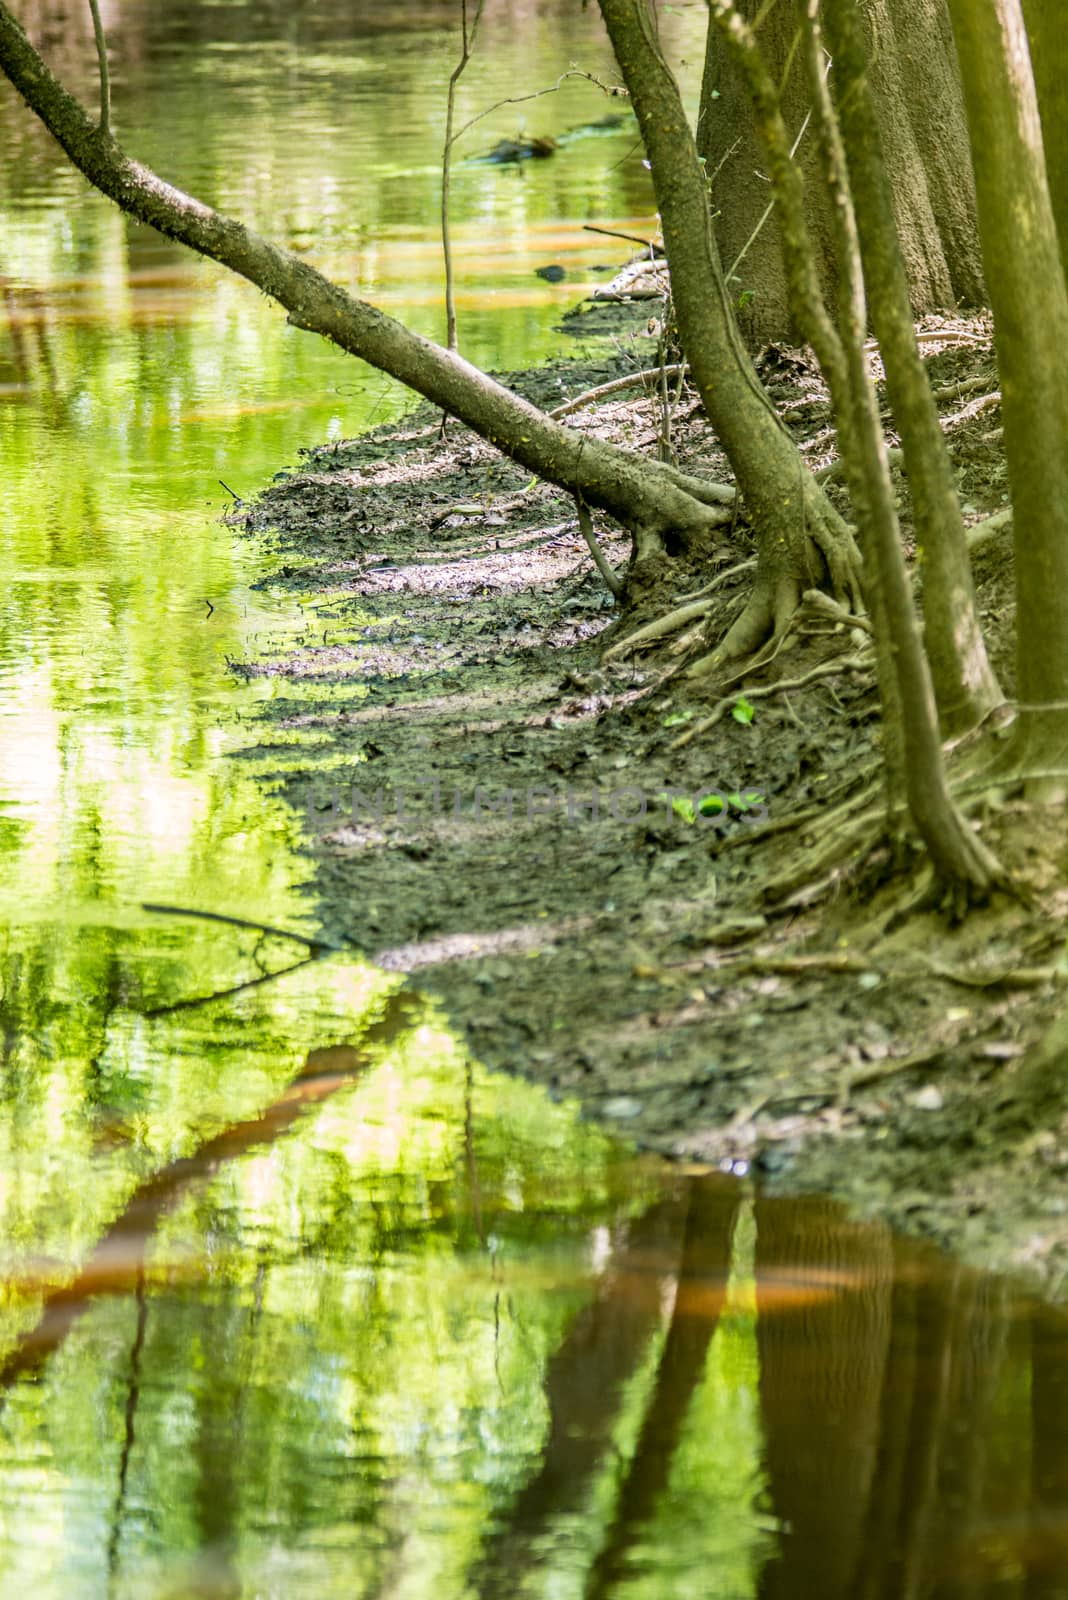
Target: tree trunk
<point>916,86</point>
<point>649,498</point>
<point>798,532</point>
<point>1030,304</point>
<point>964,684</point>
<point>1049,60</point>
<point>964,869</point>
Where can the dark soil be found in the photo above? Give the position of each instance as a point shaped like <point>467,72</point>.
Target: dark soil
<point>708,987</point>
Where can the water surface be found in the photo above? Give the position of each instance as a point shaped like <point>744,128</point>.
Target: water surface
<point>294,1298</point>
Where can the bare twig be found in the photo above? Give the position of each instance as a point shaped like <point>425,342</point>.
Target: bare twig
<point>614,90</point>
<point>770,207</point>
<point>467,37</point>
<point>102,59</point>
<point>720,579</point>
<point>240,922</point>
<point>614,233</point>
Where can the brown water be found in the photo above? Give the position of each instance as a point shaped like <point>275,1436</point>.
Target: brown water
<point>294,1298</point>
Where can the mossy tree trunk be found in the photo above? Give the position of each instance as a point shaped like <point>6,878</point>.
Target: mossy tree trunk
<point>916,87</point>
<point>1030,303</point>
<point>1048,35</point>
<point>964,683</point>
<point>800,537</point>
<point>964,870</point>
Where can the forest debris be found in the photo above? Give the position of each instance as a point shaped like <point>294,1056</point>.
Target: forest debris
<point>826,669</point>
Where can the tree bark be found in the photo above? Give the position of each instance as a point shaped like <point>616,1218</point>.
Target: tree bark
<point>1049,59</point>
<point>799,533</point>
<point>646,497</point>
<point>916,86</point>
<point>964,683</point>
<point>964,869</point>
<point>1030,304</point>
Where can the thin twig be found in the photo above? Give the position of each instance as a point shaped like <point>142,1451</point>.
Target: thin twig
<point>102,60</point>
<point>190,1004</point>
<point>240,922</point>
<point>614,90</point>
<point>770,207</point>
<point>467,36</point>
<point>614,233</point>
<point>720,579</point>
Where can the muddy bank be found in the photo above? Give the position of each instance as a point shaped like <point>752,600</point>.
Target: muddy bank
<point>498,801</point>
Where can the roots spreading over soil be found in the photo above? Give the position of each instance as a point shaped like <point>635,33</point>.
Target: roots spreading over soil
<point>668,891</point>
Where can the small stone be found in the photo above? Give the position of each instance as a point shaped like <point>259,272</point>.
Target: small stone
<point>929,1098</point>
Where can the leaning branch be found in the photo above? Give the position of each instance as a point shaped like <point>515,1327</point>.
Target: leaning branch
<point>611,479</point>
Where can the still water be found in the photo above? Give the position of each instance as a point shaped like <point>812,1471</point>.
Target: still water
<point>294,1298</point>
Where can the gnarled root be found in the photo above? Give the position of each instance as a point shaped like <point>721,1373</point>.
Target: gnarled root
<point>828,545</point>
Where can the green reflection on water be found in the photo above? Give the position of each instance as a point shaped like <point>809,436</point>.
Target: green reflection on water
<point>331,1367</point>
<point>322,1365</point>
<point>133,378</point>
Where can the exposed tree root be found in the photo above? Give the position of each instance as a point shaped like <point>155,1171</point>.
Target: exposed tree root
<point>702,490</point>
<point>613,583</point>
<point>659,628</point>
<point>827,543</point>
<point>839,850</point>
<point>826,669</point>
<point>746,634</point>
<point>629,380</point>
<point>719,581</point>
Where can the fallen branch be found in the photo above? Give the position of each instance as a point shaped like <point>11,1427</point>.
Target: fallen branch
<point>957,391</point>
<point>1003,977</point>
<point>983,532</point>
<point>937,336</point>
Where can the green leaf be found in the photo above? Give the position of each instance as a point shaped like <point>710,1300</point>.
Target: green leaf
<point>742,711</point>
